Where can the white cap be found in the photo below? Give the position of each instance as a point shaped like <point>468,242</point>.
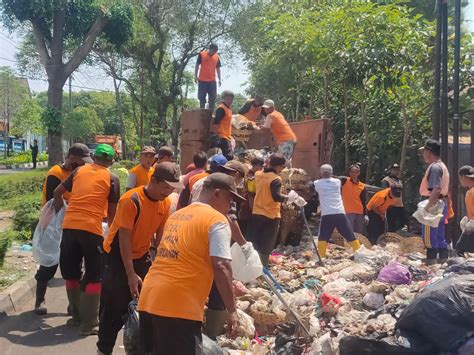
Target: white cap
<point>326,168</point>
<point>268,104</point>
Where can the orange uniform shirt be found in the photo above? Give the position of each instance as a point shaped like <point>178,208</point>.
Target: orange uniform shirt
<point>180,279</point>
<point>263,203</point>
<point>143,221</point>
<point>224,128</point>
<point>143,175</point>
<point>281,130</point>
<point>195,178</point>
<point>62,174</point>
<point>469,200</point>
<point>381,200</point>
<point>351,196</point>
<point>92,187</point>
<point>209,64</point>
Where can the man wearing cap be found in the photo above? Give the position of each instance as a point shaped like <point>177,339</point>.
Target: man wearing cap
<point>200,163</point>
<point>285,138</point>
<point>207,64</point>
<point>77,156</point>
<point>395,214</point>
<point>354,199</point>
<point>92,188</point>
<point>194,250</point>
<point>435,186</point>
<point>141,214</point>
<point>164,154</point>
<point>252,109</point>
<point>333,214</point>
<point>196,182</point>
<point>140,174</point>
<point>377,210</point>
<point>223,124</point>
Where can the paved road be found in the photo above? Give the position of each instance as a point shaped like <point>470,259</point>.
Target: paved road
<point>26,333</point>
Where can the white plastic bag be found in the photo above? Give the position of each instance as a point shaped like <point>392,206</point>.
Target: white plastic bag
<point>245,269</point>
<point>47,236</point>
<point>432,217</point>
<point>467,225</point>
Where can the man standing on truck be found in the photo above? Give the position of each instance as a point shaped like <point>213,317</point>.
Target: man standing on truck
<point>354,199</point>
<point>223,124</point>
<point>140,174</point>
<point>207,64</point>
<point>285,138</point>
<point>333,215</point>
<point>252,109</point>
<point>77,156</point>
<point>92,188</point>
<point>396,213</point>
<point>141,213</point>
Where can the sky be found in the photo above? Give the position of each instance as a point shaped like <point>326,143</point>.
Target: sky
<point>235,74</point>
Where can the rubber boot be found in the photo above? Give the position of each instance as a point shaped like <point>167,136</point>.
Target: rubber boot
<point>89,313</point>
<point>215,322</point>
<point>355,245</point>
<point>322,247</point>
<point>74,295</point>
<point>443,255</point>
<point>431,256</point>
<point>40,307</point>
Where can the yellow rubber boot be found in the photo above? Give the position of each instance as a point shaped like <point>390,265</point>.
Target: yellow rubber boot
<point>355,244</point>
<point>322,246</point>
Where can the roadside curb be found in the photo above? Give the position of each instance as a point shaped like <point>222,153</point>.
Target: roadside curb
<point>15,296</point>
<point>39,164</point>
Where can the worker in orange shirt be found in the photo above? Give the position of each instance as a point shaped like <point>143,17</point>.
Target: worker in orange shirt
<point>92,187</point>
<point>465,244</point>
<point>140,174</point>
<point>252,109</point>
<point>164,154</point>
<point>223,124</point>
<point>207,64</point>
<point>138,223</point>
<point>285,138</point>
<point>353,194</point>
<point>77,156</point>
<point>377,210</point>
<point>194,250</point>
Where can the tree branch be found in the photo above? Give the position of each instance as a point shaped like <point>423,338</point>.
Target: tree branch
<point>57,42</point>
<point>82,52</point>
<point>40,44</point>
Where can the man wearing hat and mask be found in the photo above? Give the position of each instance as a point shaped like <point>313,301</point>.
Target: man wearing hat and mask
<point>194,250</point>
<point>223,124</point>
<point>77,156</point>
<point>140,174</point>
<point>141,214</point>
<point>92,188</point>
<point>396,213</point>
<point>435,186</point>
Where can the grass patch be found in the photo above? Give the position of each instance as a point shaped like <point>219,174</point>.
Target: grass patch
<point>22,158</point>
<point>9,275</point>
<point>14,186</point>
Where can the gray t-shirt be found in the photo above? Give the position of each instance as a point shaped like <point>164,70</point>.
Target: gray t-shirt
<point>435,176</point>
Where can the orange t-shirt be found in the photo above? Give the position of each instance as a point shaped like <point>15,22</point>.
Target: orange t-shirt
<point>92,187</point>
<point>469,200</point>
<point>382,201</point>
<point>143,221</point>
<point>195,178</point>
<point>263,203</point>
<point>180,279</point>
<point>62,174</point>
<point>281,130</point>
<point>143,175</point>
<point>351,196</point>
<point>224,128</point>
<point>209,64</point>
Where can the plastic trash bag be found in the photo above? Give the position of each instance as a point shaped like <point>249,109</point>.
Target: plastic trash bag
<point>460,267</point>
<point>210,347</point>
<point>431,217</point>
<point>442,313</point>
<point>246,264</point>
<point>467,225</point>
<point>131,331</point>
<point>246,325</point>
<point>395,273</point>
<point>105,229</point>
<point>373,300</point>
<point>47,236</point>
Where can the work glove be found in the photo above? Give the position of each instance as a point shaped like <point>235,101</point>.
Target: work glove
<point>248,250</point>
<point>366,220</point>
<point>292,196</point>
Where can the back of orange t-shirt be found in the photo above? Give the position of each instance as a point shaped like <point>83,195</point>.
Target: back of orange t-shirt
<point>62,174</point>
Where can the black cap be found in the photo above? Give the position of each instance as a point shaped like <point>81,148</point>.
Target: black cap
<point>233,166</point>
<point>434,146</point>
<point>81,150</point>
<point>169,173</point>
<point>224,182</point>
<point>257,161</point>
<point>165,152</point>
<point>277,160</point>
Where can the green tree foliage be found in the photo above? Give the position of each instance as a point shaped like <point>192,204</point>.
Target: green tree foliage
<point>27,119</point>
<point>82,124</point>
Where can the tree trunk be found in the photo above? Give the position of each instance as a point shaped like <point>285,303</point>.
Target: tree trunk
<point>175,127</point>
<point>325,94</point>
<point>406,136</point>
<point>118,100</point>
<point>368,145</point>
<point>346,127</point>
<point>55,138</point>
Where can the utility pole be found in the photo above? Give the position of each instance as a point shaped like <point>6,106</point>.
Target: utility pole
<point>456,120</point>
<point>444,83</point>
<point>437,74</point>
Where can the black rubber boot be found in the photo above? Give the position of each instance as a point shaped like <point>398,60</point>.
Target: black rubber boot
<point>431,255</point>
<point>40,307</point>
<point>443,255</point>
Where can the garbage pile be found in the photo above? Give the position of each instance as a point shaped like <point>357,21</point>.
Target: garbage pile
<point>377,300</point>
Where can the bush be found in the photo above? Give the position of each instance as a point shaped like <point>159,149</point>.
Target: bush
<point>5,240</point>
<point>27,210</point>
<point>122,173</point>
<point>22,158</point>
<point>127,164</point>
<point>15,185</point>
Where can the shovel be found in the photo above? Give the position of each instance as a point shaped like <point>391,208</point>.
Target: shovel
<point>320,262</point>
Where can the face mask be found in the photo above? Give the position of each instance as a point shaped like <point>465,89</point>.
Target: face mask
<point>75,165</point>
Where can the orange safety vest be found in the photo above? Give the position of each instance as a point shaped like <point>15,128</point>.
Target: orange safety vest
<point>351,196</point>
<point>254,112</point>
<point>62,174</point>
<point>444,181</point>
<point>264,204</point>
<point>207,72</point>
<point>224,129</point>
<point>281,130</point>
